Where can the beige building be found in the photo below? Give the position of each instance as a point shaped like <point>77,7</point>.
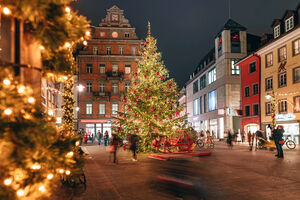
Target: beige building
<point>280,75</point>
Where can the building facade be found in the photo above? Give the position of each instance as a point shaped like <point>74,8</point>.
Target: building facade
<point>250,93</point>
<point>105,68</point>
<point>213,91</point>
<point>280,75</point>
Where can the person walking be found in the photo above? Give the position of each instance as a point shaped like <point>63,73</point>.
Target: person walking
<point>133,146</point>
<point>106,136</point>
<point>99,137</point>
<point>277,135</point>
<point>85,138</point>
<point>250,141</point>
<point>115,144</point>
<point>229,139</point>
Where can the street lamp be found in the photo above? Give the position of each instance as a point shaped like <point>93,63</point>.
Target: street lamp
<point>80,88</point>
<point>271,97</point>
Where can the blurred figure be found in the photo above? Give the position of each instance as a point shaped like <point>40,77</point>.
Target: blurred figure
<point>99,137</point>
<point>250,141</point>
<point>106,136</point>
<point>243,136</point>
<point>85,138</point>
<point>277,135</point>
<point>115,144</point>
<point>133,146</point>
<point>229,139</point>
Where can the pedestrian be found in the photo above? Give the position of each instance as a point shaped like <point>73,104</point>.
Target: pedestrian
<point>243,136</point>
<point>106,136</point>
<point>85,138</point>
<point>229,139</point>
<point>250,141</point>
<point>277,135</point>
<point>99,137</point>
<point>133,146</point>
<point>115,144</point>
<point>92,138</point>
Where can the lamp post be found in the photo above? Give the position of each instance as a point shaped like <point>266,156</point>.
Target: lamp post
<point>80,88</point>
<point>271,97</point>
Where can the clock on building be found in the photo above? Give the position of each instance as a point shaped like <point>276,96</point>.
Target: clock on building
<point>114,17</point>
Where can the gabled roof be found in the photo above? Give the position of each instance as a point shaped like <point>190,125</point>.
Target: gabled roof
<point>232,25</point>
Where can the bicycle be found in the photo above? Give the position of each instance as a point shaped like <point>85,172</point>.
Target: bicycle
<point>208,142</point>
<point>290,144</point>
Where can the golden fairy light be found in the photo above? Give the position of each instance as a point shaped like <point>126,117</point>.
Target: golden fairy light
<point>8,111</point>
<point>61,171</point>
<point>50,176</point>
<point>42,188</point>
<point>31,100</point>
<point>87,33</point>
<point>20,193</point>
<point>6,82</point>
<point>77,143</point>
<point>67,44</point>
<point>27,116</point>
<point>36,166</point>
<point>7,181</point>
<point>50,112</point>
<point>65,77</point>
<point>85,43</point>
<point>68,172</point>
<point>68,9</point>
<point>70,154</point>
<point>21,89</point>
<point>6,10</point>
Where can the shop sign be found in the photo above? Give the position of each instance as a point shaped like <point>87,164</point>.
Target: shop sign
<point>285,117</point>
<point>195,119</point>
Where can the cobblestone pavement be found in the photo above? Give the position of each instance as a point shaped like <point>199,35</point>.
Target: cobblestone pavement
<point>228,174</point>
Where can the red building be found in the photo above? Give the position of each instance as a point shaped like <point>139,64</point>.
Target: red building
<point>250,86</point>
<point>106,65</point>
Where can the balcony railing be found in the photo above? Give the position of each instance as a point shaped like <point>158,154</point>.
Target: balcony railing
<point>114,75</point>
<point>101,94</point>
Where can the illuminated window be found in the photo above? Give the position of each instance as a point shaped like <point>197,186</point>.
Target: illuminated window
<point>282,79</point>
<point>276,31</point>
<point>196,107</point>
<point>296,47</point>
<point>282,54</point>
<point>212,76</point>
<point>95,50</point>
<point>269,59</point>
<point>102,68</point>
<point>289,23</point>
<point>121,50</point>
<point>101,108</point>
<point>89,108</point>
<point>212,100</point>
<point>282,106</point>
<point>235,69</point>
<point>127,69</point>
<point>114,108</point>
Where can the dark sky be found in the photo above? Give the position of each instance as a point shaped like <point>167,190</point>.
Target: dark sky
<point>185,29</point>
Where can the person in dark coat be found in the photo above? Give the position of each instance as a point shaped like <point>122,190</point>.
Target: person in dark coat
<point>115,144</point>
<point>99,137</point>
<point>277,135</point>
<point>133,146</point>
<point>106,137</point>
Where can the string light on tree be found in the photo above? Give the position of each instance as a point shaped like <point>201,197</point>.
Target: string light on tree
<point>8,111</point>
<point>7,181</point>
<point>6,11</point>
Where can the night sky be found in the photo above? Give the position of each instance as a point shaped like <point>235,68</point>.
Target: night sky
<point>185,29</point>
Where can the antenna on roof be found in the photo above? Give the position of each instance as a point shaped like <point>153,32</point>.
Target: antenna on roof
<point>229,11</point>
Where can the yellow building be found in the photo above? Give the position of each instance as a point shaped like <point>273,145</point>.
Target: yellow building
<point>280,75</point>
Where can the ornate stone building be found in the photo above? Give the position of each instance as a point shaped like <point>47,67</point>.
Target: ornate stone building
<point>105,68</point>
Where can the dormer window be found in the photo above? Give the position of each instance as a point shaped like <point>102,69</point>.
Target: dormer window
<point>289,23</point>
<point>277,31</point>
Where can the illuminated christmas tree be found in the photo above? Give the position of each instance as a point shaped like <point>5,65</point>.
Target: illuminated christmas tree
<point>150,109</point>
<point>68,107</point>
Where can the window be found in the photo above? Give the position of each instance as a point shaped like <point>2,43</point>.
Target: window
<point>255,89</point>
<point>95,50</point>
<point>296,47</point>
<point>235,70</point>
<point>114,88</point>
<point>289,23</point>
<point>114,69</point>
<point>133,50</point>
<point>127,86</point>
<point>212,76</point>
<point>89,68</point>
<point>282,79</point>
<point>127,69</point>
<point>114,108</point>
<point>277,31</point>
<point>252,67</point>
<point>235,42</point>
<point>296,75</point>
<point>220,46</point>
<point>101,87</point>
<point>212,100</point>
<point>247,91</point>
<point>269,59</point>
<point>204,103</point>
<point>102,68</point>
<point>282,54</point>
<point>201,104</point>
<point>89,108</point>
<point>202,82</point>
<point>196,107</point>
<point>101,108</point>
<point>297,104</point>
<point>255,109</point>
<point>121,50</point>
<point>269,83</point>
<point>102,34</point>
<point>195,87</point>
<point>127,35</point>
<point>108,50</point>
<point>268,108</point>
<point>247,110</point>
<point>282,106</point>
<point>89,87</point>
